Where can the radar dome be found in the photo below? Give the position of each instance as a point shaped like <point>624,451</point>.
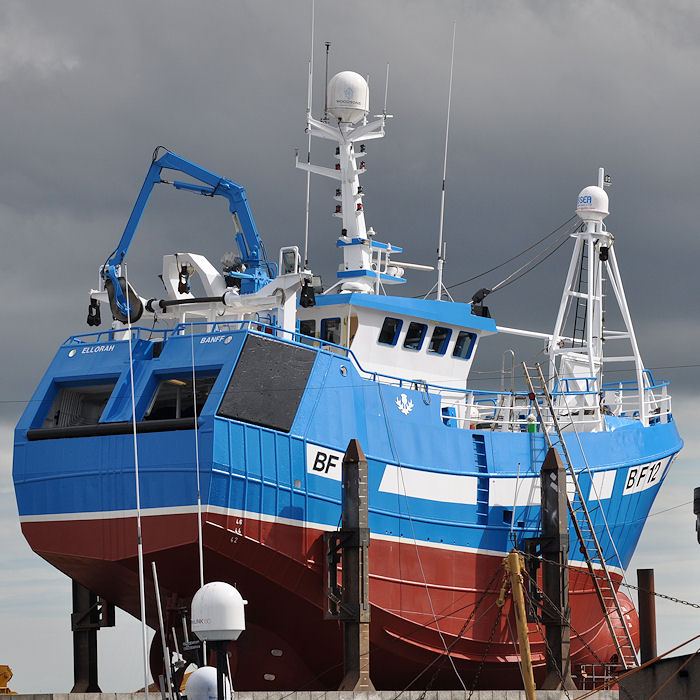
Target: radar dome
<point>217,612</point>
<point>592,204</point>
<point>201,685</point>
<point>348,97</point>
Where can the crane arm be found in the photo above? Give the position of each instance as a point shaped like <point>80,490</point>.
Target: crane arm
<point>250,245</point>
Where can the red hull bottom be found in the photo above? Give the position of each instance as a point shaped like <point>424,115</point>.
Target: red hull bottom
<point>288,645</point>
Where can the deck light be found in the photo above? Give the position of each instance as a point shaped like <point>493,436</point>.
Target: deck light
<point>307,297</point>
<point>94,318</point>
<point>183,285</point>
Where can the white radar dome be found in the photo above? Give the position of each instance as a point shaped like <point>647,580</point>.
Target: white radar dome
<point>592,204</point>
<point>217,612</point>
<point>201,685</point>
<point>348,97</point>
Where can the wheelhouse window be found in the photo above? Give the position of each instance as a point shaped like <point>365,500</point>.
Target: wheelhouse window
<point>415,335</point>
<point>389,333</point>
<point>175,398</point>
<point>439,340</point>
<point>330,330</point>
<point>307,327</point>
<point>78,405</point>
<point>464,345</point>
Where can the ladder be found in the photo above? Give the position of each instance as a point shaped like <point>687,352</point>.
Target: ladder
<point>590,545</point>
<point>581,311</point>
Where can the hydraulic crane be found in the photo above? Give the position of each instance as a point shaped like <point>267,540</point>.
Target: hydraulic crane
<point>252,270</point>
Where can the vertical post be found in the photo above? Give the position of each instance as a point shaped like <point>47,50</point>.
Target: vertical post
<point>647,614</point>
<point>221,650</point>
<point>513,566</point>
<point>84,627</point>
<point>554,549</point>
<point>355,595</point>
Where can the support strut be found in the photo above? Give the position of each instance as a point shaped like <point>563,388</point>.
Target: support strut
<point>90,613</point>
<point>350,602</point>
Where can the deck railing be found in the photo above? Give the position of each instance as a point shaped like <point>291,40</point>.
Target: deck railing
<point>579,404</point>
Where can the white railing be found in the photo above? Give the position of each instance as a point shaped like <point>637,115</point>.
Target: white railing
<point>580,410</point>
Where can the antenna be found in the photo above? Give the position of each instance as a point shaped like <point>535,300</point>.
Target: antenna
<point>325,91</point>
<point>386,88</point>
<point>308,147</point>
<point>441,246</point>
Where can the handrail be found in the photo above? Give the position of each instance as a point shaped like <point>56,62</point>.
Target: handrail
<point>473,401</point>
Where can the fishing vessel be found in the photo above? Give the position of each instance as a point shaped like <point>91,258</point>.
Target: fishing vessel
<point>218,413</point>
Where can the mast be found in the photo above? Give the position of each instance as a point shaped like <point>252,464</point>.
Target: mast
<point>366,265</point>
<point>580,356</point>
<point>364,260</point>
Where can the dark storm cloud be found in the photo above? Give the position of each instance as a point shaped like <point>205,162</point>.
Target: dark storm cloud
<point>543,94</point>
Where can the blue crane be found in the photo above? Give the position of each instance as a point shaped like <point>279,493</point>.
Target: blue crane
<point>252,271</point>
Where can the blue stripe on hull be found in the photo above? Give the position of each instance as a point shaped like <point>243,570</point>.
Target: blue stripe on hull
<point>258,470</point>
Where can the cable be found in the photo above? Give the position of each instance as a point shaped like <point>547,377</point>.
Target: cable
<point>529,248</point>
<point>505,262</point>
<point>674,674</point>
<point>580,570</point>
<point>507,281</point>
<point>415,540</point>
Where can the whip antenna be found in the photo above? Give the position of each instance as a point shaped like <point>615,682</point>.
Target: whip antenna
<point>386,88</point>
<point>308,148</point>
<point>325,90</point>
<point>441,246</point>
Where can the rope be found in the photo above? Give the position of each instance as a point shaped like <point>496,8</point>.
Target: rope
<point>139,537</point>
<point>674,674</point>
<point>415,541</point>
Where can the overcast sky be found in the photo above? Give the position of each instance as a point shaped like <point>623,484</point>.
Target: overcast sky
<point>544,94</point>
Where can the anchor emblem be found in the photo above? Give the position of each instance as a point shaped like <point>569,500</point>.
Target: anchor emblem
<point>404,405</point>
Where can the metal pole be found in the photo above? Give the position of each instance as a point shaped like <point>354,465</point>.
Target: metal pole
<point>308,148</point>
<point>647,614</point>
<point>139,533</point>
<point>441,249</point>
<point>355,596</point>
<point>696,511</point>
<point>513,566</point>
<point>166,652</point>
<point>325,93</point>
<point>221,649</point>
